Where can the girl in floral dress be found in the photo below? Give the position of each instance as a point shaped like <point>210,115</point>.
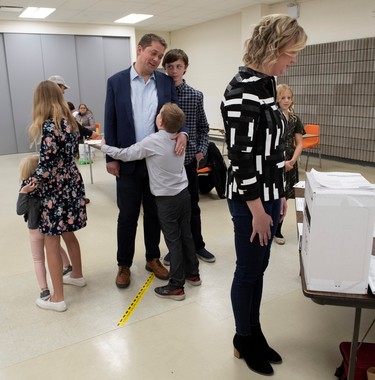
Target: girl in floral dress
<point>63,209</point>
<point>292,143</point>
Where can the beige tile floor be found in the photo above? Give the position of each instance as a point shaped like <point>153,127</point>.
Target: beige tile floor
<point>162,339</point>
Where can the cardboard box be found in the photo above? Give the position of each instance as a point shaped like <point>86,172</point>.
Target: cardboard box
<point>337,236</point>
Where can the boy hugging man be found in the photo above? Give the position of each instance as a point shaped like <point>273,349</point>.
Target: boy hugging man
<point>169,185</point>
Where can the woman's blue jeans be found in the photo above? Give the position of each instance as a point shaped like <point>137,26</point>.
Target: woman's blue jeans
<point>252,261</point>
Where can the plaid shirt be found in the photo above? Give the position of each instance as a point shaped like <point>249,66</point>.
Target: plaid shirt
<point>191,102</point>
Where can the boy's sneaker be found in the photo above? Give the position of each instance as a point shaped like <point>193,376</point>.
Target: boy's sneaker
<point>67,270</point>
<point>45,294</point>
<point>193,280</point>
<point>166,291</point>
<point>206,256</point>
<point>279,239</point>
<point>167,260</point>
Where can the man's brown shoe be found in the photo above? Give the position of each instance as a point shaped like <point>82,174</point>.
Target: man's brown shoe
<point>157,268</point>
<point>123,277</point>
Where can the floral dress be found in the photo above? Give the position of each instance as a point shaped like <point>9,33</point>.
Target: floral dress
<point>62,203</point>
<point>291,177</point>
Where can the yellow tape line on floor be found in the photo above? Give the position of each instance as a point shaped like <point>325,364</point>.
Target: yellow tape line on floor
<point>134,303</point>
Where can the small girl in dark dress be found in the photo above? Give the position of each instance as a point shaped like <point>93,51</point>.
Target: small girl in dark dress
<point>293,145</point>
<point>28,205</point>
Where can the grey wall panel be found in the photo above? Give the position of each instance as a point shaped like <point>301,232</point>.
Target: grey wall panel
<point>8,142</point>
<point>25,72</point>
<point>85,62</point>
<point>91,73</point>
<point>97,59</point>
<point>116,55</point>
<point>59,58</point>
<point>339,96</point>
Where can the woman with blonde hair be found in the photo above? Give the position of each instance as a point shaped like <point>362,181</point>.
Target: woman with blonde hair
<point>255,184</point>
<point>63,209</point>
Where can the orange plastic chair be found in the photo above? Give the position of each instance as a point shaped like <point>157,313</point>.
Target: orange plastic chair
<point>97,129</point>
<point>311,140</point>
<point>204,171</point>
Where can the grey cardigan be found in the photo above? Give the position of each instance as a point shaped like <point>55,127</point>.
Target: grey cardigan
<point>29,207</point>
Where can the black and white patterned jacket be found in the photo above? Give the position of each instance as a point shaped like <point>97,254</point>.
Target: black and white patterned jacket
<point>253,126</point>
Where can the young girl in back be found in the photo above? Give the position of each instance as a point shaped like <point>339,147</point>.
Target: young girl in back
<point>293,145</point>
<point>28,205</point>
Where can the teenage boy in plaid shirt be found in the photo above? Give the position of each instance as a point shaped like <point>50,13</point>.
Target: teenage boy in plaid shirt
<point>190,100</point>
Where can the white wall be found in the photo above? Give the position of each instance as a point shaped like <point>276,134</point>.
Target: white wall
<point>215,48</point>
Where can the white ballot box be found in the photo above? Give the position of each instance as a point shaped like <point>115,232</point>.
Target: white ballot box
<point>338,225</point>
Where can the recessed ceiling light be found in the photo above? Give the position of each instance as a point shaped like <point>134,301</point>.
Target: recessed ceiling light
<point>10,8</point>
<point>133,18</point>
<point>34,12</point>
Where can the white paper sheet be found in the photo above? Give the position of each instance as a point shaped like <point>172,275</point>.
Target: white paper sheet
<point>371,276</point>
<point>300,204</point>
<point>341,180</point>
<point>93,142</point>
<point>300,229</point>
<point>300,185</point>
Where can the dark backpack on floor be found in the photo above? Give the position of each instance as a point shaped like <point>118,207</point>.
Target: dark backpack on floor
<point>216,178</point>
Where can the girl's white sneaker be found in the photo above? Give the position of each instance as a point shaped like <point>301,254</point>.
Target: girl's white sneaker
<point>48,305</point>
<point>74,281</point>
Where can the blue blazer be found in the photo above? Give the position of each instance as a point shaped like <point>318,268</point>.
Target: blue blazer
<point>119,127</point>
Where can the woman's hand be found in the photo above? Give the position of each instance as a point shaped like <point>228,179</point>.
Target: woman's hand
<point>262,222</point>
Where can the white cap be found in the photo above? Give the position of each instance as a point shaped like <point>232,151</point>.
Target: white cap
<point>59,80</point>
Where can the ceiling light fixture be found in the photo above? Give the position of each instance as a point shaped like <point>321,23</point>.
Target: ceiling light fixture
<point>34,12</point>
<point>10,8</point>
<point>293,9</point>
<point>133,18</point>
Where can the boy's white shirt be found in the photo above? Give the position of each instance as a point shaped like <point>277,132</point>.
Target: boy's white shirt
<point>165,169</point>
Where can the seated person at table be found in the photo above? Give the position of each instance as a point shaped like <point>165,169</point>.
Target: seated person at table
<point>85,117</point>
<point>83,131</point>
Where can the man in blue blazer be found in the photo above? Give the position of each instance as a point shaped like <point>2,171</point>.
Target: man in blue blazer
<point>134,98</point>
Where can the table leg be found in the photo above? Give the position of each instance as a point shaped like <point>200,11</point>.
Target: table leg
<point>90,163</point>
<point>353,348</point>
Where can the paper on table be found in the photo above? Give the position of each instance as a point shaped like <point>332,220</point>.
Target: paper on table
<point>300,204</point>
<point>93,142</point>
<point>341,180</point>
<point>300,229</point>
<point>300,185</point>
<point>371,276</point>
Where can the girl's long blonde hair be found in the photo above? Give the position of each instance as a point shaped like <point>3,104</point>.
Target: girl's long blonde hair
<point>280,89</point>
<point>49,103</point>
<point>28,165</point>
